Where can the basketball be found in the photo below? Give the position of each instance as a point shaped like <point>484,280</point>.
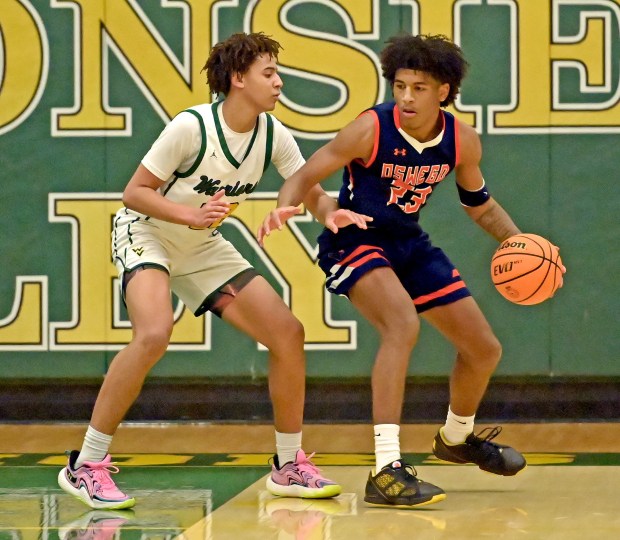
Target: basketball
<point>526,269</point>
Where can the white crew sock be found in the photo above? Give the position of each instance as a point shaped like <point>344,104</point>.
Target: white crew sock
<point>287,445</point>
<point>387,445</point>
<point>95,446</point>
<point>457,427</point>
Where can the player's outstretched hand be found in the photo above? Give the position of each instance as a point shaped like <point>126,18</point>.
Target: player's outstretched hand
<point>212,211</point>
<point>343,218</point>
<point>275,220</point>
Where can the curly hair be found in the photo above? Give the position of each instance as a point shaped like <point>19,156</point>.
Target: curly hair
<point>433,54</point>
<point>235,55</point>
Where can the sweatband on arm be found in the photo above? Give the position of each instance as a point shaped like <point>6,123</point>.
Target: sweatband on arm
<point>473,198</point>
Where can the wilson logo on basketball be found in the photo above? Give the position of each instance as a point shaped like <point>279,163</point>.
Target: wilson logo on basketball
<point>508,244</point>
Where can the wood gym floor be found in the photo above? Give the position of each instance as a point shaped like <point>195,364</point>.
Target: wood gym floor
<point>206,482</point>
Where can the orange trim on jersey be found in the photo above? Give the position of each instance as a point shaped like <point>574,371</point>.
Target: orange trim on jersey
<point>457,142</point>
<point>375,147</point>
<point>441,292</point>
<point>455,273</point>
<point>351,178</point>
<point>396,115</point>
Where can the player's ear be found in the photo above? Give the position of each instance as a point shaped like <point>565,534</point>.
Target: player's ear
<point>444,92</point>
<point>236,80</point>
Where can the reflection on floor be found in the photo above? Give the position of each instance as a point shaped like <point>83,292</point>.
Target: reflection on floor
<point>160,514</point>
<point>207,482</point>
<point>540,503</point>
<point>543,502</point>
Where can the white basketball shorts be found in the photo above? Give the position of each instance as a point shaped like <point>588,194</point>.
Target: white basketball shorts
<point>197,261</point>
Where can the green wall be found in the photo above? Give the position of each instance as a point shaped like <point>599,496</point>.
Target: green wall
<point>87,85</point>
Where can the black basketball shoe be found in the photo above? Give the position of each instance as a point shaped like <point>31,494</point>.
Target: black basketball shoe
<point>396,485</point>
<point>489,456</point>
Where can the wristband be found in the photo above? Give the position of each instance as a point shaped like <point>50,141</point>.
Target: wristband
<point>473,198</point>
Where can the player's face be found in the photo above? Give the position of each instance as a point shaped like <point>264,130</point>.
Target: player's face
<point>262,83</point>
<point>418,96</point>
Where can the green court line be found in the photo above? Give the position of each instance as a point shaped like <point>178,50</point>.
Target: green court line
<point>261,461</point>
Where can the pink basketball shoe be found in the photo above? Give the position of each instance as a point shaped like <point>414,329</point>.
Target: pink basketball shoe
<point>300,478</point>
<point>92,484</point>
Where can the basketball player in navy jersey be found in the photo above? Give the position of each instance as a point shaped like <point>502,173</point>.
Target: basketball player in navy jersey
<point>205,163</point>
<point>394,156</point>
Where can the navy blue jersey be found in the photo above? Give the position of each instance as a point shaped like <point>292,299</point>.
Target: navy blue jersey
<point>397,180</point>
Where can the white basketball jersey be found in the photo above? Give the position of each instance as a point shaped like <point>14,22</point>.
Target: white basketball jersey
<point>197,155</point>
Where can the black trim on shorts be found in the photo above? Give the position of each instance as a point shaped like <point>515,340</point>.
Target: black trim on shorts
<point>128,274</point>
<point>234,285</point>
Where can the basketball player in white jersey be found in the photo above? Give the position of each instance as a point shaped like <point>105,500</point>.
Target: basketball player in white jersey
<point>206,161</point>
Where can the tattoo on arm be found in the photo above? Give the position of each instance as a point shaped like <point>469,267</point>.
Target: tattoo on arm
<point>496,221</point>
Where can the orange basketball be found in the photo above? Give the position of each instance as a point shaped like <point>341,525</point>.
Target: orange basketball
<point>526,269</point>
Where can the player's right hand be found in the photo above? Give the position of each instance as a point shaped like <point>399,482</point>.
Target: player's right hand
<point>275,221</point>
<point>215,209</point>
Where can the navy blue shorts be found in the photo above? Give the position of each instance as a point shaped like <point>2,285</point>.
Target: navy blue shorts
<point>425,271</point>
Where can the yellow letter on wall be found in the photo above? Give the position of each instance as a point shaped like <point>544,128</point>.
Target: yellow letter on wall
<point>333,60</point>
<point>538,104</point>
<point>24,59</point>
<point>94,279</point>
<point>120,26</point>
<point>304,280</point>
<point>25,327</point>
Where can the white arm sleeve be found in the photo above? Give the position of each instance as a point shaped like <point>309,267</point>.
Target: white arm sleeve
<point>286,155</point>
<point>176,148</point>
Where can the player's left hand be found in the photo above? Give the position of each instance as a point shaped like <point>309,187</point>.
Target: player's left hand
<point>340,218</point>
<point>562,268</point>
<point>275,220</point>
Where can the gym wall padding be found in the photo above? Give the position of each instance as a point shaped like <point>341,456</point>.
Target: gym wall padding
<point>87,85</point>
